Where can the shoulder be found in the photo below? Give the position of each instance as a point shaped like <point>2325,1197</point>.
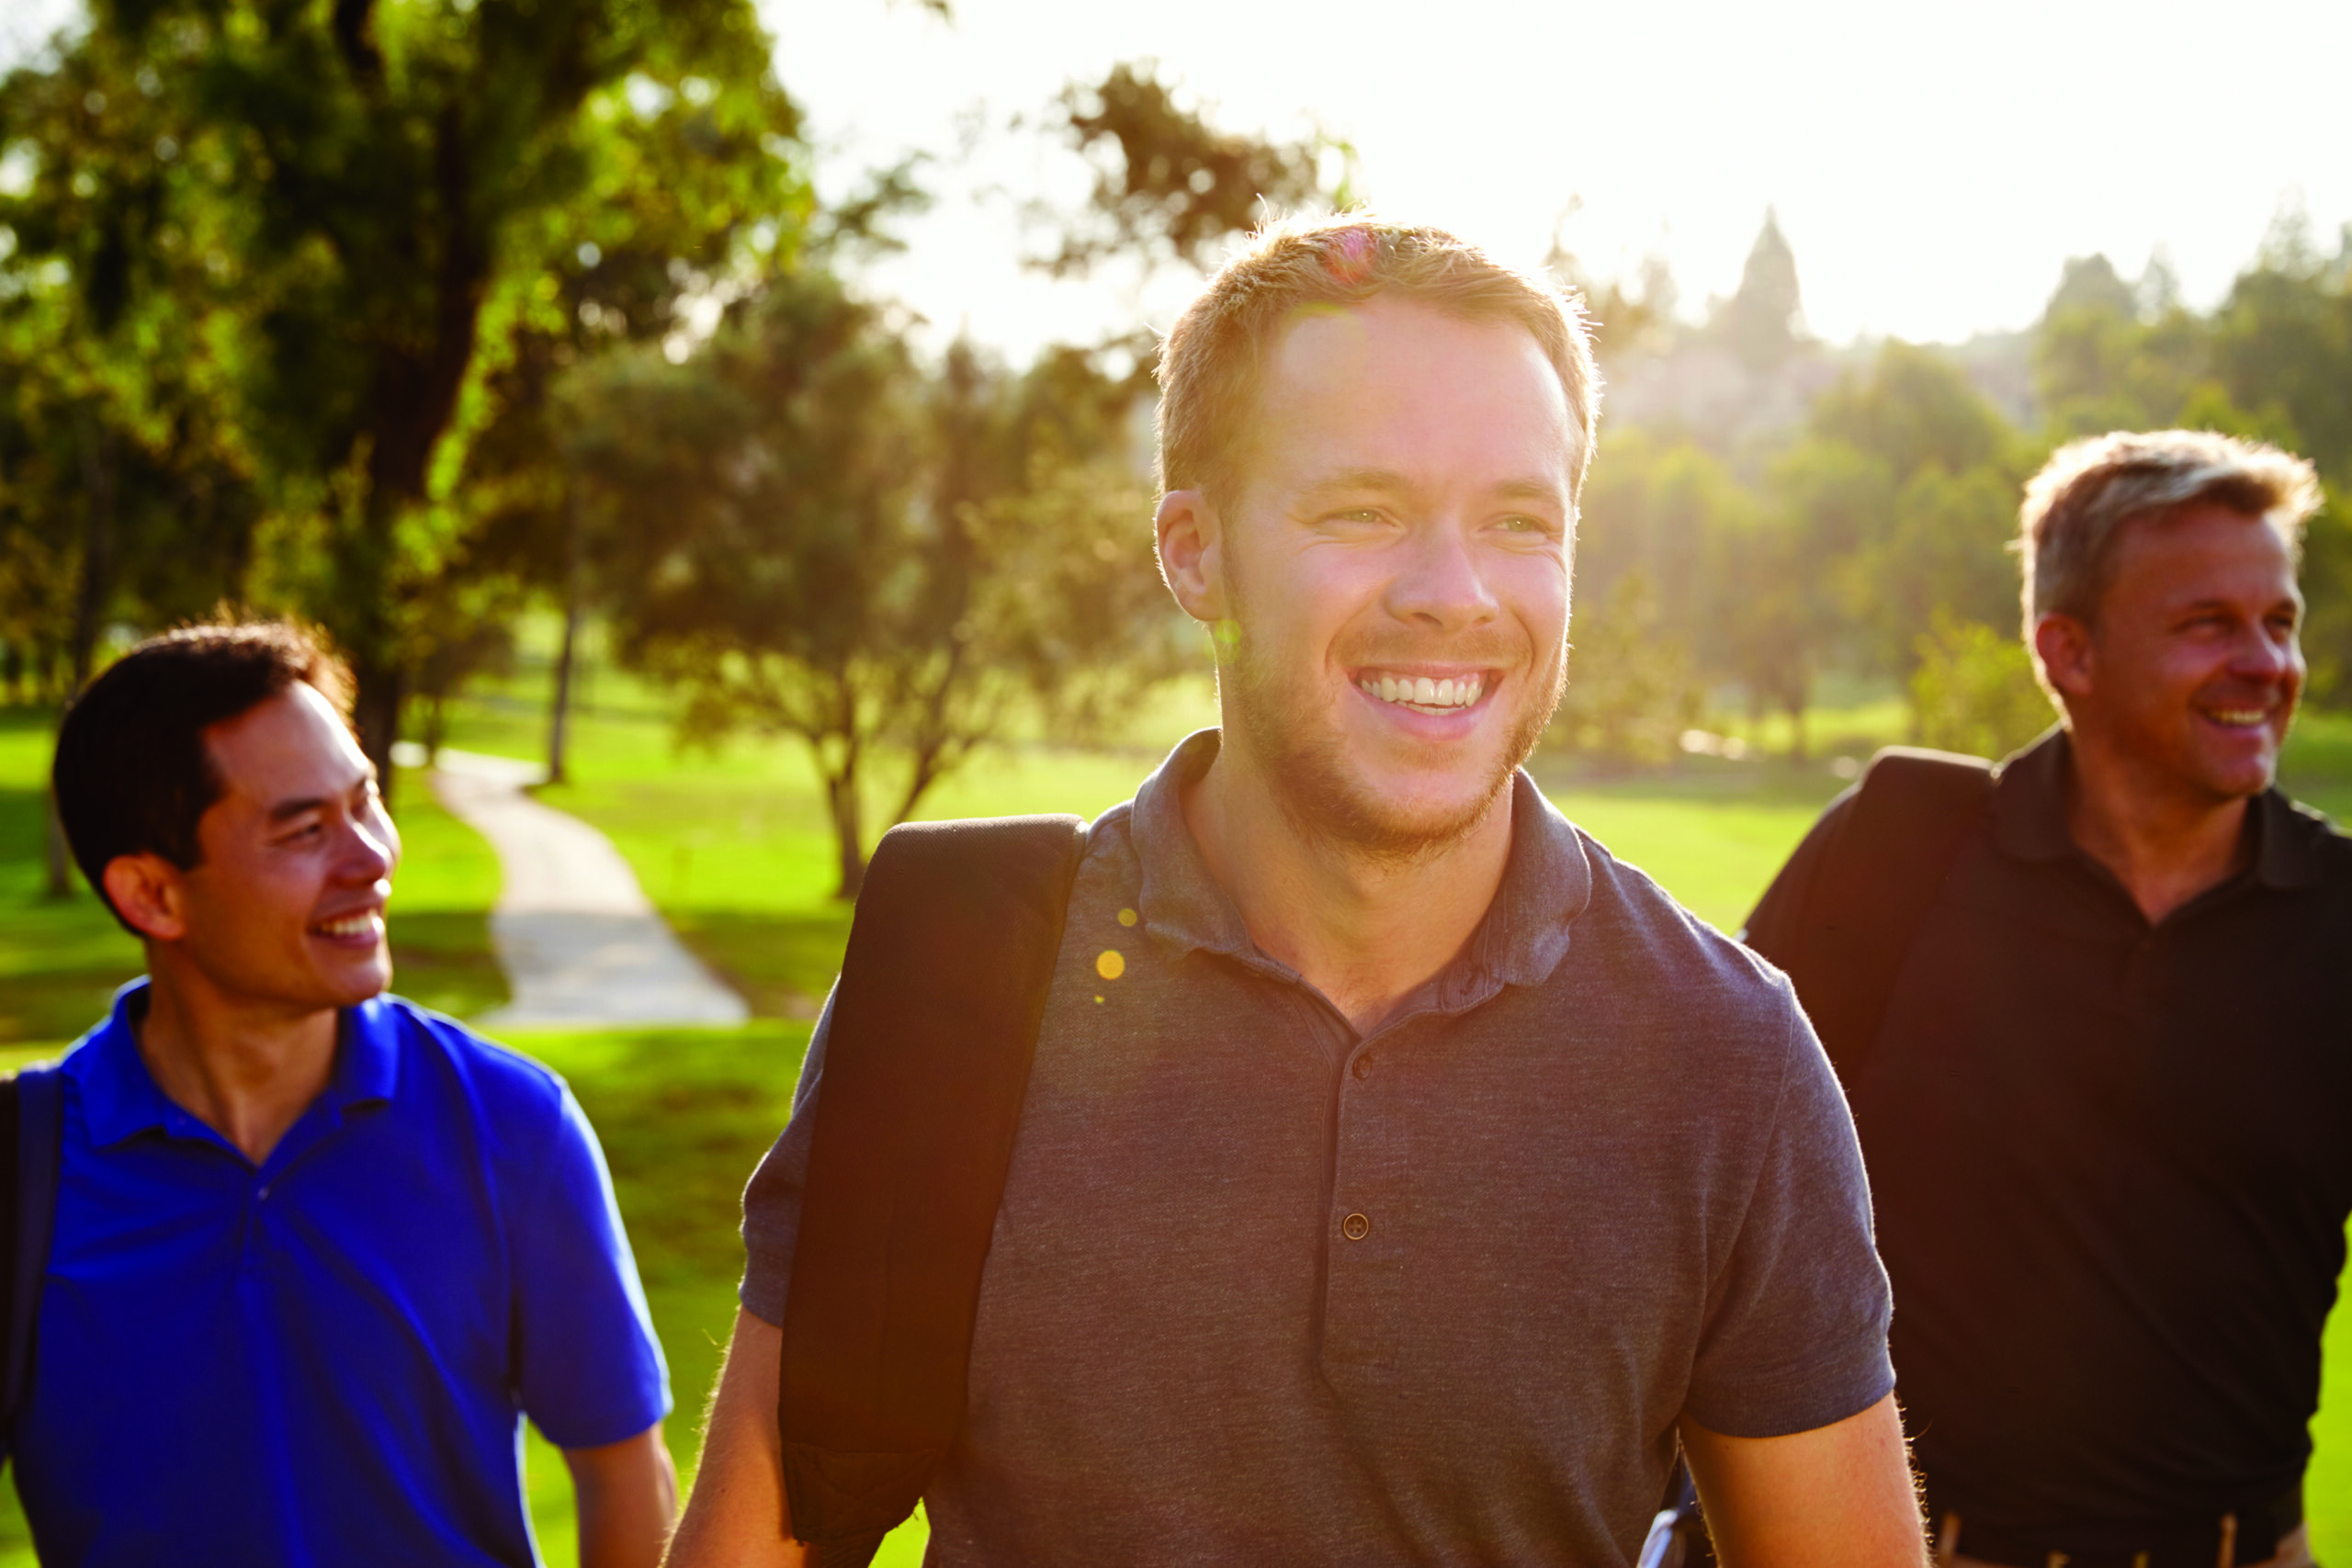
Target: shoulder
<point>1665,967</point>
<point>500,1083</point>
<point>2325,839</point>
<point>1690,1030</point>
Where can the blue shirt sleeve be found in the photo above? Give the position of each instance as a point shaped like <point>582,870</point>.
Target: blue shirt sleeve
<point>589,1368</point>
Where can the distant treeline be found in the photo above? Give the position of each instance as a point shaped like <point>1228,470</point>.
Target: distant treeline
<point>1764,508</point>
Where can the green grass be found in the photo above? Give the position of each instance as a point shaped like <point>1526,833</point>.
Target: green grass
<point>60,959</point>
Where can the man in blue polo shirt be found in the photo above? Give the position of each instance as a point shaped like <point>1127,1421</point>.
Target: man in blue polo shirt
<point>317,1252</point>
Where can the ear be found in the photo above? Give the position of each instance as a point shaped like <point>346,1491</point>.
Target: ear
<point>1191,553</point>
<point>146,889</point>
<point>2063,643</point>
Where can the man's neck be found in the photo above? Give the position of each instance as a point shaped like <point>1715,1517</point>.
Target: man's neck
<point>2166,844</point>
<point>247,1072</point>
<point>1365,930</point>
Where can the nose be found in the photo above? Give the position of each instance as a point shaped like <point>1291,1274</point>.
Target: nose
<point>1440,584</point>
<point>371,847</point>
<point>2262,654</point>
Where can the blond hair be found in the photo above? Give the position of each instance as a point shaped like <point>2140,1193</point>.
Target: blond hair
<point>2076,507</point>
<point>1210,363</point>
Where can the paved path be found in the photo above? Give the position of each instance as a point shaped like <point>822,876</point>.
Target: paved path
<point>579,940</point>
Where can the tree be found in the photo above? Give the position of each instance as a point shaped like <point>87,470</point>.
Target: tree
<point>124,493</point>
<point>1910,478</point>
<point>1913,408</point>
<point>1974,690</point>
<point>2111,356</point>
<point>1169,186</point>
<point>809,534</point>
<point>1632,689</point>
<point>383,196</point>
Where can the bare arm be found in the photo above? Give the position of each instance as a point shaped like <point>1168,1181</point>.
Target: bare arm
<point>628,1497</point>
<point>1838,1496</point>
<point>735,1518</point>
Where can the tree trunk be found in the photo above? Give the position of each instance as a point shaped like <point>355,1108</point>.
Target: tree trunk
<point>931,763</point>
<point>97,587</point>
<point>1795,705</point>
<point>367,625</point>
<point>849,835</point>
<point>376,713</point>
<point>559,719</point>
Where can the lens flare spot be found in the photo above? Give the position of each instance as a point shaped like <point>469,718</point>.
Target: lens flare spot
<point>1126,917</point>
<point>1111,965</point>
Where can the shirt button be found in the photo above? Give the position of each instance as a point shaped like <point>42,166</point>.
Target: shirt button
<point>1355,1227</point>
<point>1362,1068</point>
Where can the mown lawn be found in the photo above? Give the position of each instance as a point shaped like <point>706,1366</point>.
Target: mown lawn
<point>733,846</point>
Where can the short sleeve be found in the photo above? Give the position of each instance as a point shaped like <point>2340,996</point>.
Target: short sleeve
<point>1795,1335</point>
<point>772,1199</point>
<point>591,1370</point>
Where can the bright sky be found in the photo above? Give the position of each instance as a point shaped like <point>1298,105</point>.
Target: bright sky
<point>1932,166</point>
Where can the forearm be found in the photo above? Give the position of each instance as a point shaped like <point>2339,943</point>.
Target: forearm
<point>626,1494</point>
<point>735,1518</point>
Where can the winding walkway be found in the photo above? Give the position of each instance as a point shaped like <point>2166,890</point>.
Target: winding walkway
<point>579,942</point>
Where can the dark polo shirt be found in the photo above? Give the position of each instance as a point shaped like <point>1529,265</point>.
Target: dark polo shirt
<point>1266,1291</point>
<point>2112,1163</point>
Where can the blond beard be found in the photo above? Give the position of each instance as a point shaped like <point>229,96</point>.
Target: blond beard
<point>1305,767</point>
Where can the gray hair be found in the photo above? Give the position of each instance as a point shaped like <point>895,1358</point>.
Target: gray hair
<point>2076,506</point>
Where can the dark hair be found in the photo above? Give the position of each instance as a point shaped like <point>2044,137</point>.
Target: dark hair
<point>133,774</point>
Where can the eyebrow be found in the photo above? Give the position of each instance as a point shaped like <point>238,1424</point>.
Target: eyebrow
<point>1389,480</point>
<point>2199,606</point>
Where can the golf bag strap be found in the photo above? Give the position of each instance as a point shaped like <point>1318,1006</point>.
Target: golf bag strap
<point>32,1107</point>
<point>1880,873</point>
<point>927,1052</point>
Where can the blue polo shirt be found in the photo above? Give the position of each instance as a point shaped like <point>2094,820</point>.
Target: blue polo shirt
<point>325,1358</point>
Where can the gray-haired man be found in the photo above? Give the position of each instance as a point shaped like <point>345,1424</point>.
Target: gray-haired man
<point>2108,1106</point>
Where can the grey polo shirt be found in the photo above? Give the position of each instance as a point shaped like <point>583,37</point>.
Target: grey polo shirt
<point>1263,1289</point>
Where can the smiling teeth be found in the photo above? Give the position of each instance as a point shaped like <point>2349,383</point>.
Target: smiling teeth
<point>1420,691</point>
<point>350,925</point>
<point>2237,716</point>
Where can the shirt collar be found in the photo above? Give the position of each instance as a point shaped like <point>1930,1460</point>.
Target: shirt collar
<point>2030,818</point>
<point>2029,800</point>
<point>1524,935</point>
<point>120,1098</point>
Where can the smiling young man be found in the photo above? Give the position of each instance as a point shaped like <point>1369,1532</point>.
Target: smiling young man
<point>2105,1104</point>
<point>316,1252</point>
<point>1418,1175</point>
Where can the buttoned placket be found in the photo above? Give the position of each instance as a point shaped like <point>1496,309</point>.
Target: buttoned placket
<point>1368,1161</point>
<point>1364,1232</point>
<point>264,1183</point>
